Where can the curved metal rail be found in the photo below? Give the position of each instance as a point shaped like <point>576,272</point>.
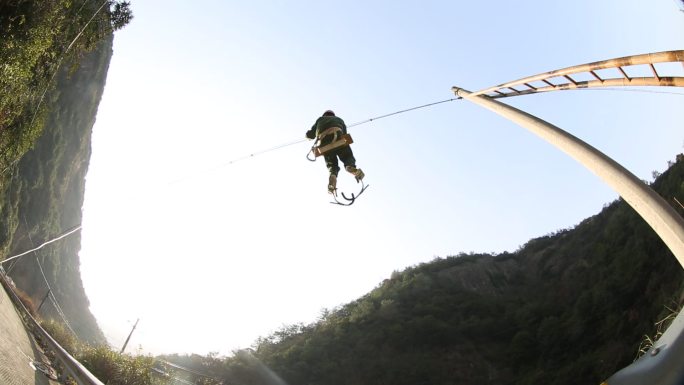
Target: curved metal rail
<point>73,368</point>
<point>561,79</point>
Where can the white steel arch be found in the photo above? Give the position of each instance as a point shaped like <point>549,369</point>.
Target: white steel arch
<point>662,364</point>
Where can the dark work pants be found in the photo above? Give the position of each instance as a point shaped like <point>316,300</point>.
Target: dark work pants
<point>346,156</point>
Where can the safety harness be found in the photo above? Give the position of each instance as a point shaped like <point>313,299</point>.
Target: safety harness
<point>339,140</point>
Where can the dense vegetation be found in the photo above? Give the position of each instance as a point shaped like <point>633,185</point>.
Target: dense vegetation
<point>567,308</point>
<point>36,39</point>
<point>54,57</point>
<point>108,366</point>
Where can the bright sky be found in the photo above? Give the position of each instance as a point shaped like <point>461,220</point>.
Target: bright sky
<point>211,255</point>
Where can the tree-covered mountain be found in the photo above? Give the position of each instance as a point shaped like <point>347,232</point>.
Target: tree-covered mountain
<point>567,308</point>
<point>47,190</point>
<point>570,307</point>
<point>54,58</point>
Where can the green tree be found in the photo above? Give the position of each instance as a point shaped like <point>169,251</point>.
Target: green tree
<point>121,14</point>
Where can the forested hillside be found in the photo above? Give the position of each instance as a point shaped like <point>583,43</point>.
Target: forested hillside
<point>54,58</point>
<point>47,190</point>
<point>570,307</point>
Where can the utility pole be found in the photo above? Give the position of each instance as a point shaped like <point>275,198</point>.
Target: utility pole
<point>129,336</point>
<point>43,301</point>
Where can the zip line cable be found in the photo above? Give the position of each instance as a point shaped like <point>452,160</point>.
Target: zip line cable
<point>349,126</point>
<point>53,299</point>
<point>51,293</point>
<point>257,153</point>
<point>77,228</point>
<point>278,147</point>
<point>402,111</point>
<point>64,235</point>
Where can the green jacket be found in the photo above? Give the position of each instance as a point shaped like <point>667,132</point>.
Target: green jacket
<point>323,123</point>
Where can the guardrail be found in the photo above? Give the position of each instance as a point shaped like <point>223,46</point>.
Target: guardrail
<point>72,367</point>
<point>661,365</point>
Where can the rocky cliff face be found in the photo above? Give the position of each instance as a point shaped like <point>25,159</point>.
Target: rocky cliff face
<point>46,194</point>
<point>565,308</point>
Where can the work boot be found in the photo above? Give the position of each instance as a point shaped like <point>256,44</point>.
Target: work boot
<point>358,174</point>
<point>332,184</point>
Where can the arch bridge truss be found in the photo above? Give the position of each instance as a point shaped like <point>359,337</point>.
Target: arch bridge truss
<point>606,73</point>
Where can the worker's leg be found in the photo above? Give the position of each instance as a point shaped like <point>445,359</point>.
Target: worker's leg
<point>347,156</point>
<point>333,168</point>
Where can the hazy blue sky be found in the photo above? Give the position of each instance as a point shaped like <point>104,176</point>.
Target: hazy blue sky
<point>210,256</point>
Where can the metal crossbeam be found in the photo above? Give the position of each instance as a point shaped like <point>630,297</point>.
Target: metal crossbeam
<point>563,80</point>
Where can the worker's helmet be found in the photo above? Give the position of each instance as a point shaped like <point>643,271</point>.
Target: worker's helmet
<point>329,113</point>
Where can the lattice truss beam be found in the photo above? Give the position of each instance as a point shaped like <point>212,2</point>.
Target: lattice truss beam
<point>653,69</point>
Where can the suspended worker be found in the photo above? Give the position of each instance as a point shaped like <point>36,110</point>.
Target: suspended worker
<point>328,129</point>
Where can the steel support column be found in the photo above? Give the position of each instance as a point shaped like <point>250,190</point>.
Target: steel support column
<point>652,207</point>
